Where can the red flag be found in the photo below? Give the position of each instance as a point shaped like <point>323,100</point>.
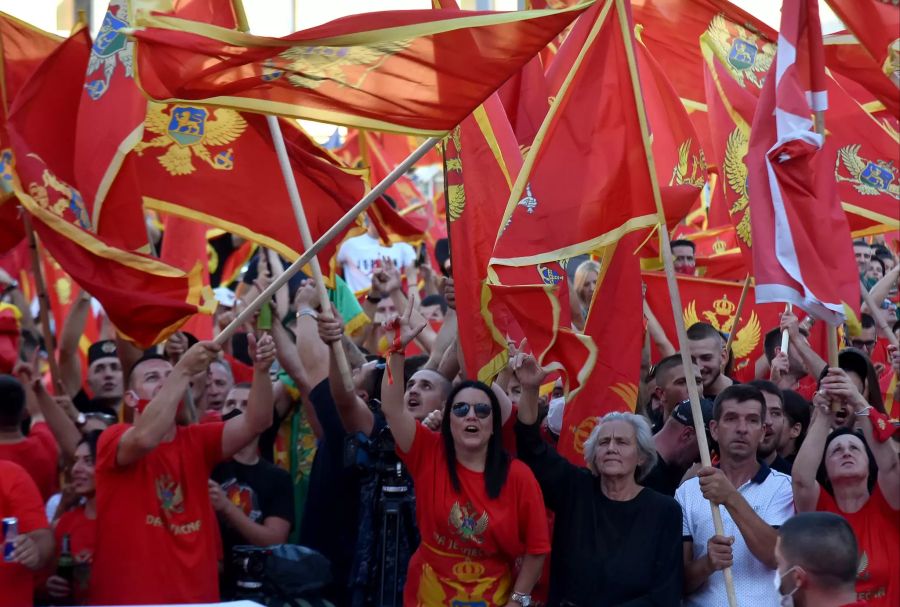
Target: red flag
<point>483,159</point>
<point>876,25</point>
<point>614,316</point>
<point>844,55</point>
<point>526,98</point>
<point>111,121</point>
<point>795,200</point>
<point>145,299</point>
<point>587,169</point>
<point>22,48</point>
<point>378,70</point>
<point>715,302</point>
<point>184,246</point>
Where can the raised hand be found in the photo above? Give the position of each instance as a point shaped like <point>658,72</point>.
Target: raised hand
<point>528,371</point>
<point>197,358</point>
<point>387,280</point>
<point>262,351</point>
<point>411,322</point>
<point>306,296</point>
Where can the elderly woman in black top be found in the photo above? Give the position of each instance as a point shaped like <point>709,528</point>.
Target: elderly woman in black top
<point>615,543</point>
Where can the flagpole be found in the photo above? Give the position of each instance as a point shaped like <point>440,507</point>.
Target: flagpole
<point>311,251</point>
<point>674,295</point>
<point>290,183</point>
<point>737,314</point>
<point>879,321</point>
<point>44,301</point>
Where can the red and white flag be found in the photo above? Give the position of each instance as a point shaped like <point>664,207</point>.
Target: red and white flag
<point>802,250</point>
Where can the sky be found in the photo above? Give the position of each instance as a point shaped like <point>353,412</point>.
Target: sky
<point>280,17</point>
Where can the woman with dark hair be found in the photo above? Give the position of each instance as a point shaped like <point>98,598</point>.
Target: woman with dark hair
<point>860,476</point>
<point>79,524</point>
<point>615,543</point>
<point>478,511</point>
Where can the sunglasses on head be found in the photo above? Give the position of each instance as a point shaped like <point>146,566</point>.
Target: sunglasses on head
<point>482,410</point>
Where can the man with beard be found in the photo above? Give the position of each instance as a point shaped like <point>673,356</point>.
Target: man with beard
<point>777,429</point>
<point>708,352</point>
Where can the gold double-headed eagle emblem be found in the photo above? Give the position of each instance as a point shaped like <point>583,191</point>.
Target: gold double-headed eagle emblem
<point>722,318</point>
<point>746,55</point>
<point>186,131</point>
<point>311,66</point>
<point>868,177</point>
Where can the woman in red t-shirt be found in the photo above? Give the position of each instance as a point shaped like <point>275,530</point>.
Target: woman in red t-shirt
<point>844,462</point>
<point>80,524</point>
<point>477,510</point>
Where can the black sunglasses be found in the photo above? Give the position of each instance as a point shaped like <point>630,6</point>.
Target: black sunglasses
<point>482,410</point>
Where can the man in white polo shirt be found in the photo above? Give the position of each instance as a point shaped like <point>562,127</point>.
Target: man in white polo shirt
<point>756,501</point>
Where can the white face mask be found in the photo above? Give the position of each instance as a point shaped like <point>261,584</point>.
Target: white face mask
<point>787,600</point>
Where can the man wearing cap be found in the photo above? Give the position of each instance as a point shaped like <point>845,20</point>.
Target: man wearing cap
<point>677,447</point>
<point>158,542</point>
<point>104,377</point>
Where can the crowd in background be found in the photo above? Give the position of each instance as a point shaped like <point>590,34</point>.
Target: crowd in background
<point>135,479</point>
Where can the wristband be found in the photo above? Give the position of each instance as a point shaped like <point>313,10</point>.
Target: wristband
<point>373,298</point>
<point>864,412</point>
<point>307,312</point>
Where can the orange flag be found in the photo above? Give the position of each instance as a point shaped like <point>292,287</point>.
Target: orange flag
<point>586,170</point>
<point>22,48</point>
<point>144,298</point>
<point>378,71</point>
<point>614,325</point>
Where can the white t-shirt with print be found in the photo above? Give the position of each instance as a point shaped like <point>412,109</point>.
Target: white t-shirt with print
<point>358,255</point>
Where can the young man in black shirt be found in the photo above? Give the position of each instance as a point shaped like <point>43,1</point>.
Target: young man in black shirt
<point>253,498</point>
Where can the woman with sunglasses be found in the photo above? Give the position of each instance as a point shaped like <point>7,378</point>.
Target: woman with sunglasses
<point>478,511</point>
<point>615,543</point>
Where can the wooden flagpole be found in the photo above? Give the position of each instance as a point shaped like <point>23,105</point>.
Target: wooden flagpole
<point>290,183</point>
<point>311,251</point>
<point>737,313</point>
<point>43,300</point>
<point>669,265</point>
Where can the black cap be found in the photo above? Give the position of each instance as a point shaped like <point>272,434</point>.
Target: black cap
<point>102,349</point>
<point>851,359</point>
<point>683,413</point>
<point>150,354</point>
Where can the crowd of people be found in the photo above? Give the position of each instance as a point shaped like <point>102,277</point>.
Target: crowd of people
<point>134,480</point>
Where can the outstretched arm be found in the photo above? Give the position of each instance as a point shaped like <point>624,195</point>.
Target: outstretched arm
<point>157,419</point>
<point>241,430</point>
<point>401,421</point>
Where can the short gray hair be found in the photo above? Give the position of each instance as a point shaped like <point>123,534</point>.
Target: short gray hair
<point>642,433</point>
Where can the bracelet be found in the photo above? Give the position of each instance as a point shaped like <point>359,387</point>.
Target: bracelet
<point>864,412</point>
<point>373,298</point>
<point>307,312</point>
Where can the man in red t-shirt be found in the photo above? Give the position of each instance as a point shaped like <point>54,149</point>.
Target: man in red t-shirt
<point>37,452</point>
<point>19,497</point>
<point>817,560</point>
<point>157,537</point>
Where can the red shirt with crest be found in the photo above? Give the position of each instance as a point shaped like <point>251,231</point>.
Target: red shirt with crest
<point>158,541</point>
<point>469,542</point>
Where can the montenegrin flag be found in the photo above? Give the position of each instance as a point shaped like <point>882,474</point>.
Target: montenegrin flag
<point>145,298</point>
<point>585,181</point>
<point>801,239</point>
<point>402,71</point>
<point>876,25</point>
<point>22,48</point>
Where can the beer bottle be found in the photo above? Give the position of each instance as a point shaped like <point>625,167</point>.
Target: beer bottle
<point>65,565</point>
